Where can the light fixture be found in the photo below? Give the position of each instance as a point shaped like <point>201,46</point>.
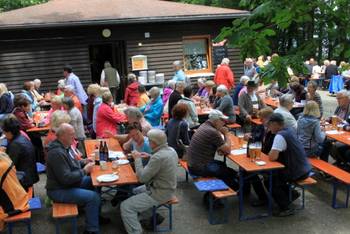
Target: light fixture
<point>106,33</point>
<point>140,44</point>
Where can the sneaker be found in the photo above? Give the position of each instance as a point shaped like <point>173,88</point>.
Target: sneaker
<point>283,213</point>
<point>148,223</point>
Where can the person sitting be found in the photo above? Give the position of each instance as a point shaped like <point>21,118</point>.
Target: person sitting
<point>60,88</point>
<point>14,199</point>
<point>202,92</point>
<point>167,92</point>
<point>93,91</point>
<point>36,90</point>
<point>76,121</point>
<point>138,141</point>
<point>211,90</point>
<point>131,96</point>
<point>159,176</point>
<point>56,104</point>
<point>285,105</point>
<point>68,180</point>
<point>27,92</point>
<point>97,103</point>
<point>192,116</point>
<point>69,92</point>
<point>242,83</point>
<point>224,103</point>
<point>177,129</point>
<point>6,103</point>
<point>21,152</point>
<point>287,150</point>
<point>153,110</point>
<point>205,142</point>
<point>175,96</point>
<point>272,89</point>
<point>107,118</point>
<point>298,91</point>
<point>249,104</point>
<point>144,99</point>
<point>21,109</point>
<point>313,95</point>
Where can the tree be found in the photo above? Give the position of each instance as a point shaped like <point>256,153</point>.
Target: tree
<point>6,5</point>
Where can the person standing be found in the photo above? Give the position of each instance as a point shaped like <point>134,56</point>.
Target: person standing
<point>224,75</point>
<point>179,73</point>
<point>73,80</point>
<point>132,96</point>
<point>110,78</point>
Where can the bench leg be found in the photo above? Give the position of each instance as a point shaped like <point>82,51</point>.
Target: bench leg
<point>170,217</point>
<point>74,225</point>
<point>9,228</point>
<point>211,218</point>
<point>58,227</point>
<point>29,226</point>
<point>210,214</point>
<point>186,176</point>
<point>154,218</point>
<point>334,197</point>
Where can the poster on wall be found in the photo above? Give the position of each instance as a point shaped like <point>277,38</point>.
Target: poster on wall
<point>219,52</point>
<point>139,62</point>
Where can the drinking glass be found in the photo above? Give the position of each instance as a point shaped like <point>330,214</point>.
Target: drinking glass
<point>115,166</point>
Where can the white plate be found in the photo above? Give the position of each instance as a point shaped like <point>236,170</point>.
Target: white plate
<point>107,178</point>
<point>116,154</point>
<point>260,163</point>
<point>123,161</point>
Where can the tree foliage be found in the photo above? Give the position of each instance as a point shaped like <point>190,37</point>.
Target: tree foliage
<point>6,5</point>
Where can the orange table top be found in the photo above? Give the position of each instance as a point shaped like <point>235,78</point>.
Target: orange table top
<point>244,162</point>
<point>256,121</point>
<point>341,136</point>
<point>271,102</point>
<point>201,111</point>
<point>39,129</point>
<point>126,173</point>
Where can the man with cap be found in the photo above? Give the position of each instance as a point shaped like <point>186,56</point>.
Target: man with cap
<point>179,73</point>
<point>206,141</point>
<point>288,150</point>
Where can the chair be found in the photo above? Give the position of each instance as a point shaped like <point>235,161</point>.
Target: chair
<point>62,212</point>
<point>168,205</point>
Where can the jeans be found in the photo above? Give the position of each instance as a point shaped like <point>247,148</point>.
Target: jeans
<point>82,196</point>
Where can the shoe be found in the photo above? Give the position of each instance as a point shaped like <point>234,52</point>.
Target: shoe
<point>258,203</point>
<point>103,220</point>
<point>148,223</point>
<point>283,213</point>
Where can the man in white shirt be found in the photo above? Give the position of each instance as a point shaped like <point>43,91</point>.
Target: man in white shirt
<point>286,104</point>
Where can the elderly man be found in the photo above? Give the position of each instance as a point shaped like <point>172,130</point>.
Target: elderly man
<point>68,180</point>
<point>110,78</point>
<point>69,92</point>
<point>249,69</point>
<point>242,83</point>
<point>179,73</point>
<point>159,176</point>
<point>73,80</point>
<point>224,103</point>
<point>286,104</point>
<point>288,150</point>
<point>224,75</point>
<point>175,96</point>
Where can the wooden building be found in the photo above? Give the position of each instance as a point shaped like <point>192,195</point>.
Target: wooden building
<point>36,42</point>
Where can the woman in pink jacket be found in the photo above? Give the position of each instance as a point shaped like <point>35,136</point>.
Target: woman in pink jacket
<point>107,119</point>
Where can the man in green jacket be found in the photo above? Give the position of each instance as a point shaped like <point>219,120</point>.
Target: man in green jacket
<point>110,78</point>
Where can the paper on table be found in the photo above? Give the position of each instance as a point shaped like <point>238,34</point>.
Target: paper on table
<point>116,154</point>
<point>238,151</point>
<point>334,132</point>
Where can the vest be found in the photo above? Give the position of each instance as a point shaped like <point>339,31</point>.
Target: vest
<point>111,76</point>
<point>294,157</point>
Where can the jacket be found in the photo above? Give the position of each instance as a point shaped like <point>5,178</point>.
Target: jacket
<point>131,97</point>
<point>166,94</point>
<point>246,106</point>
<point>23,118</point>
<point>153,111</point>
<point>175,96</point>
<point>338,111</point>
<point>309,132</point>
<point>159,174</point>
<point>77,123</point>
<point>192,116</point>
<point>107,119</point>
<point>224,76</point>
<point>62,170</point>
<point>22,154</point>
<point>6,104</point>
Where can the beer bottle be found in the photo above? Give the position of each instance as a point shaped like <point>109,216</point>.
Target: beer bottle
<point>105,150</point>
<point>248,145</point>
<point>97,155</point>
<point>102,157</point>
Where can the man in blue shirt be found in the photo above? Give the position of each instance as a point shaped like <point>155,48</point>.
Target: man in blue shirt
<point>73,80</point>
<point>179,73</point>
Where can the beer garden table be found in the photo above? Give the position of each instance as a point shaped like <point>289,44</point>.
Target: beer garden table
<point>247,168</point>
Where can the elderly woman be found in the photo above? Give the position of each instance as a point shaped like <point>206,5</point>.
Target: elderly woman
<point>285,105</point>
<point>97,103</point>
<point>76,121</point>
<point>242,83</point>
<point>250,103</point>
<point>309,130</point>
<point>28,87</point>
<point>224,103</point>
<point>202,92</point>
<point>312,95</point>
<point>177,129</point>
<point>131,97</point>
<point>60,88</point>
<point>93,91</point>
<point>36,90</point>
<point>6,103</point>
<point>192,116</point>
<point>56,104</point>
<point>107,118</point>
<point>153,111</point>
<point>211,90</point>
<point>168,90</point>
<point>57,118</point>
<point>69,92</point>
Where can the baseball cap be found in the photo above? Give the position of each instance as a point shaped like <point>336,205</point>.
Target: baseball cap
<point>216,114</point>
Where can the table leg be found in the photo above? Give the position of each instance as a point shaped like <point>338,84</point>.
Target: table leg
<point>241,186</point>
<point>270,194</point>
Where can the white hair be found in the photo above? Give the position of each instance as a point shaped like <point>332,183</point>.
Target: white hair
<point>201,80</point>
<point>222,89</point>
<point>180,84</point>
<point>171,84</point>
<point>244,79</point>
<point>154,92</point>
<point>286,100</point>
<point>157,136</point>
<point>334,62</point>
<point>37,81</point>
<point>61,84</point>
<point>63,128</point>
<point>177,63</point>
<point>225,61</point>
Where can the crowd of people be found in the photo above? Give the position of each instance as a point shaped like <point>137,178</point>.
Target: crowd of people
<point>289,135</point>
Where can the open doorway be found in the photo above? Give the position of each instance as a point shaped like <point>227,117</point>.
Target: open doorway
<point>113,52</point>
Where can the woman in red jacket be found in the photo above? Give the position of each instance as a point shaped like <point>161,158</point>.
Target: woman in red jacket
<point>131,97</point>
<point>107,119</point>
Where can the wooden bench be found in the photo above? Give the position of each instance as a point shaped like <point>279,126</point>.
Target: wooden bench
<point>169,206</point>
<point>63,212</point>
<point>301,184</point>
<point>338,174</point>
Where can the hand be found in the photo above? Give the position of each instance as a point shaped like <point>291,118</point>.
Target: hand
<point>249,118</point>
<point>224,130</point>
<point>88,167</point>
<point>247,136</point>
<point>135,154</point>
<point>108,134</point>
<point>145,155</point>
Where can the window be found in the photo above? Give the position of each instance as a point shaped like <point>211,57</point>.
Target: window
<point>197,54</point>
